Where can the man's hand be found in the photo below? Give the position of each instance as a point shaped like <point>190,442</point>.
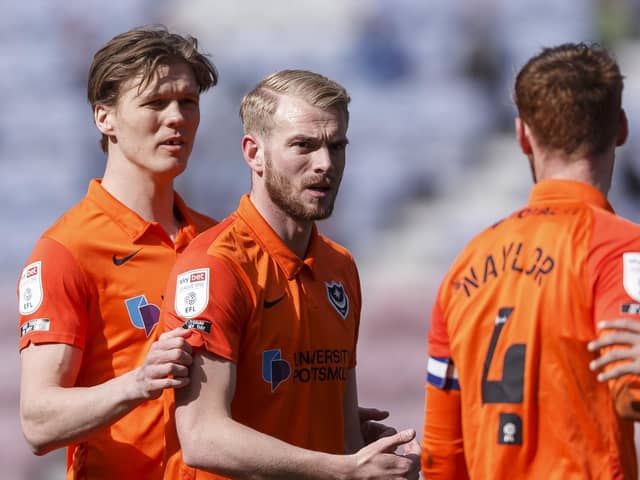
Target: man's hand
<point>166,364</point>
<point>626,335</point>
<point>370,428</point>
<point>379,460</point>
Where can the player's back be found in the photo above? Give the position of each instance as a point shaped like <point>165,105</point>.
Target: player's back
<point>518,306</point>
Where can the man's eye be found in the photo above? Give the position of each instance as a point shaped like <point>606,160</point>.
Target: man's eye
<point>155,103</point>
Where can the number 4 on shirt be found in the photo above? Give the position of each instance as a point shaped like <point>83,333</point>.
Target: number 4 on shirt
<point>510,388</point>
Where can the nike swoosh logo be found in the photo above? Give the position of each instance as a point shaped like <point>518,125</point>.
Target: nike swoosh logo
<point>119,261</point>
<point>273,303</point>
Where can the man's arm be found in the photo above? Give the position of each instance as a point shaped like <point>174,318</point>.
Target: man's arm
<point>442,447</point>
<point>54,413</point>
<point>624,360</point>
<point>353,440</point>
<point>619,363</point>
<point>211,440</point>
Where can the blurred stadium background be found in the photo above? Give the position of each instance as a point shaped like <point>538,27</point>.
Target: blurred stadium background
<point>432,157</point>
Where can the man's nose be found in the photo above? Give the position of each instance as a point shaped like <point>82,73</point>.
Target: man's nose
<point>322,161</point>
<point>174,114</point>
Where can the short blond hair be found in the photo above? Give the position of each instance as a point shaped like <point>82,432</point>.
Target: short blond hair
<point>259,105</point>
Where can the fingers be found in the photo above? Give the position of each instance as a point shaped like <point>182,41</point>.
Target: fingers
<point>365,414</point>
<point>616,338</point>
<point>613,356</point>
<point>372,431</point>
<point>172,346</point>
<point>411,448</point>
<point>389,444</point>
<point>160,384</point>
<point>621,323</point>
<point>619,371</point>
<point>166,364</point>
<point>176,332</point>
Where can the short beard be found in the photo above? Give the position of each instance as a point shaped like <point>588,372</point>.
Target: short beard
<point>281,194</point>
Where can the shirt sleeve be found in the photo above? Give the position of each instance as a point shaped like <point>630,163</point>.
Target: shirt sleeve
<point>53,297</point>
<point>212,300</point>
<point>441,372</point>
<point>615,270</point>
<point>442,443</point>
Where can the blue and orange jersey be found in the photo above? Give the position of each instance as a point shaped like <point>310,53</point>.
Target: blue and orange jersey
<point>95,280</point>
<point>509,391</point>
<point>289,324</point>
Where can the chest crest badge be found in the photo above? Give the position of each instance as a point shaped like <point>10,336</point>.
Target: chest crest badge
<point>338,298</point>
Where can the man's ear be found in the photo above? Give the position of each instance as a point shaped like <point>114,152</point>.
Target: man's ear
<point>253,153</point>
<point>623,129</point>
<point>102,116</point>
<point>522,134</point>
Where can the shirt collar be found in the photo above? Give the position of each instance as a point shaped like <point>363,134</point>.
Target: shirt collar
<point>286,259</point>
<point>553,190</point>
<point>133,224</point>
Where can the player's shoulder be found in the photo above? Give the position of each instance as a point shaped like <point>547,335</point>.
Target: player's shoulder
<point>225,239</point>
<point>613,232</point>
<point>201,221</point>
<point>602,215</point>
<point>327,246</point>
<point>75,226</point>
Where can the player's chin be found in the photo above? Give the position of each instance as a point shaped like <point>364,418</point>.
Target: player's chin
<point>320,212</point>
<point>172,166</point>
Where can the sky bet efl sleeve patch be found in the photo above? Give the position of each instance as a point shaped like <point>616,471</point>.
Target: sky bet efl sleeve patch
<point>631,274</point>
<point>30,288</point>
<point>192,292</point>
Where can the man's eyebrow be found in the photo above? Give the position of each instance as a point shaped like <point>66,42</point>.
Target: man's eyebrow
<point>302,136</point>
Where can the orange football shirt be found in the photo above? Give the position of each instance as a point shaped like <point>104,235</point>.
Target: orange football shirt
<point>509,390</point>
<point>95,280</point>
<point>290,325</point>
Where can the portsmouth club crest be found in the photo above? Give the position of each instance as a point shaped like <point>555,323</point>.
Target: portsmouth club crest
<point>338,298</point>
<point>192,292</point>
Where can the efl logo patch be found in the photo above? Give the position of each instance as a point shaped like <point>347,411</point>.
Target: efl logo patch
<point>35,325</point>
<point>30,289</point>
<point>143,315</point>
<point>338,298</point>
<point>275,369</point>
<point>510,429</point>
<point>192,292</point>
<point>631,275</point>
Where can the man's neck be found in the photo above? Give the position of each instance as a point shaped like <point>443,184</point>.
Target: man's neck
<point>593,170</point>
<point>295,234</point>
<point>152,199</point>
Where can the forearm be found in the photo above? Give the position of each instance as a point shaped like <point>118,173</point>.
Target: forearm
<point>227,447</point>
<point>353,440</point>
<point>54,416</point>
<point>442,445</point>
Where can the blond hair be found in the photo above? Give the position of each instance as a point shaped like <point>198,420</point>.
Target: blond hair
<point>259,105</point>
